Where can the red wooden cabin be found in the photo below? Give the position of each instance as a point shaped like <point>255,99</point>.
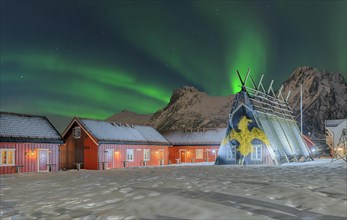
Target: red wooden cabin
<point>194,146</point>
<point>28,144</point>
<point>96,144</point>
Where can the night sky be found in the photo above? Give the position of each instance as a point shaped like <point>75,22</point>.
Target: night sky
<point>95,58</point>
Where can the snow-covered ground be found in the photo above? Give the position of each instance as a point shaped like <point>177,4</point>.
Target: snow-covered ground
<point>313,190</point>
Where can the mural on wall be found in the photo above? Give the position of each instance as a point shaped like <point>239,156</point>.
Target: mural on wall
<point>244,137</point>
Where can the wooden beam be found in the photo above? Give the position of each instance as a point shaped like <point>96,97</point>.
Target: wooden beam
<point>246,78</point>
<point>280,91</point>
<point>253,83</point>
<point>270,87</point>
<point>240,77</point>
<point>288,95</point>
<point>261,79</point>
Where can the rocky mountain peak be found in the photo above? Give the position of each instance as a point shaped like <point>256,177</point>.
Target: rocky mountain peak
<point>324,97</point>
<point>190,108</point>
<point>185,92</point>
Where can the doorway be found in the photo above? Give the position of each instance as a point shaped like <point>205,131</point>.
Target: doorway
<point>182,153</point>
<point>109,158</point>
<point>161,157</point>
<point>42,160</point>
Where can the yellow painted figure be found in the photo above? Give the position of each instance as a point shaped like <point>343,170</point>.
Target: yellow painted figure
<point>245,137</point>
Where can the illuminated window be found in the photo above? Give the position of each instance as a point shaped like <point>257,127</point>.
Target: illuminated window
<point>77,132</point>
<point>146,154</point>
<point>130,154</point>
<point>7,157</point>
<point>199,154</point>
<point>256,154</point>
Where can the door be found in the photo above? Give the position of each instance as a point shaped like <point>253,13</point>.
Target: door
<point>183,156</point>
<point>43,160</point>
<point>161,157</point>
<point>110,158</point>
<point>62,156</point>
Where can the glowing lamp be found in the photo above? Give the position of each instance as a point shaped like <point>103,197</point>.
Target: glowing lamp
<point>29,153</point>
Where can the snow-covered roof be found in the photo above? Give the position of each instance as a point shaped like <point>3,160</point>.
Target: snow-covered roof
<point>110,132</point>
<point>334,123</point>
<point>202,137</point>
<point>19,127</point>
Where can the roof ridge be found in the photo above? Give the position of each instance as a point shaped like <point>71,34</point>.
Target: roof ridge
<point>22,114</point>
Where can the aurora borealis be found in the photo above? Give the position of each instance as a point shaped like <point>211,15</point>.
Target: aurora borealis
<point>96,58</point>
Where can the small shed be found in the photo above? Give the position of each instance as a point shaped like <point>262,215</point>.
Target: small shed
<point>336,137</point>
<point>28,144</point>
<point>189,146</point>
<point>96,145</point>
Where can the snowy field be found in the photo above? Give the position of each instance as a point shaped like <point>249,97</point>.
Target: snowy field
<point>312,190</point>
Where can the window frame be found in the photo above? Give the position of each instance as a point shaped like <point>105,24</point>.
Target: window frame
<point>231,153</point>
<point>127,155</point>
<point>74,132</point>
<point>148,154</point>
<point>254,155</point>
<point>201,154</point>
<point>13,150</point>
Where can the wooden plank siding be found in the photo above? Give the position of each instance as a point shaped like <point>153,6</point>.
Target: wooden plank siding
<point>157,153</point>
<point>208,155</point>
<point>29,161</point>
<point>78,150</point>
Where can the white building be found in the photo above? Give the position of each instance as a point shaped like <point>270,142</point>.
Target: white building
<point>336,137</point>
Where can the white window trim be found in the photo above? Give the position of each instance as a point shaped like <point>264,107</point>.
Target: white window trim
<point>202,154</point>
<point>132,153</point>
<point>74,132</point>
<point>231,152</point>
<point>13,156</point>
<point>144,154</point>
<point>254,154</point>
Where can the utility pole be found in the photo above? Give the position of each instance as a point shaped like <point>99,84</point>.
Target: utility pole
<point>301,108</point>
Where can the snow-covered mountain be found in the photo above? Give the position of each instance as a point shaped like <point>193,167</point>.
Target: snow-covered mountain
<point>324,98</point>
<point>190,108</point>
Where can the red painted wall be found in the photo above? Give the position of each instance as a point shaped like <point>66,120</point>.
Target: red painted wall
<point>82,150</point>
<point>157,153</point>
<point>190,152</point>
<point>30,161</point>
<point>90,154</point>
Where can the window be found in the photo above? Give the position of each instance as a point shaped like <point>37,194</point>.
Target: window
<point>231,153</point>
<point>77,132</point>
<point>130,154</point>
<point>199,154</point>
<point>256,154</point>
<point>7,157</point>
<point>146,154</point>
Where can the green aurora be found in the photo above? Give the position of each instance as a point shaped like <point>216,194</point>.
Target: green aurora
<point>95,58</point>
